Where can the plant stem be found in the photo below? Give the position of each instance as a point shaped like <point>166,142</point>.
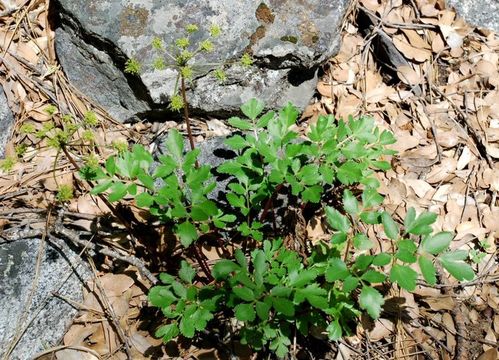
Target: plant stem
<point>186,113</point>
<point>199,258</point>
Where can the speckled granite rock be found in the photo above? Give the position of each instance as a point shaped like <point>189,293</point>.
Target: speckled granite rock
<point>481,13</point>
<point>51,315</point>
<point>6,122</point>
<point>289,40</point>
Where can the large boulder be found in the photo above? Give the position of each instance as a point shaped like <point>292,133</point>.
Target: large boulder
<point>288,40</point>
<point>6,122</point>
<point>481,13</point>
<point>45,321</point>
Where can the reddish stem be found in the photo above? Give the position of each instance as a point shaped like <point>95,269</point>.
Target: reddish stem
<point>199,258</point>
<point>186,113</point>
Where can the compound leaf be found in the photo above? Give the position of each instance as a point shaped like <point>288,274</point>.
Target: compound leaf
<point>144,200</point>
<point>167,332</point>
<point>373,277</point>
<point>427,269</point>
<point>101,187</point>
<point>118,191</point>
<point>161,296</point>
<point>175,144</point>
<point>223,268</point>
<point>245,312</point>
<point>404,276</point>
<point>436,244</point>
<point>252,108</point>
<point>390,226</point>
<point>371,300</point>
<point>236,142</point>
<point>187,327</point>
<point>350,172</point>
<point>382,259</point>
<point>371,198</point>
<point>263,310</point>
<point>187,233</point>
<point>186,272</point>
<point>350,203</point>
<point>454,263</point>
<point>284,306</point>
<point>421,225</point>
<point>350,283</point>
<point>244,293</point>
<point>334,330</point>
<point>336,270</point>
<point>362,242</point>
<point>337,220</point>
<point>239,123</point>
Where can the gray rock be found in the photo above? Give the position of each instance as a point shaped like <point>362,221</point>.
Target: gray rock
<point>17,271</point>
<point>95,39</point>
<point>93,71</point>
<point>481,13</point>
<point>6,122</point>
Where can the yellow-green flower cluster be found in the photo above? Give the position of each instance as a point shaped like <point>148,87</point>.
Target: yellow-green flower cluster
<point>92,161</point>
<point>59,139</point>
<point>8,163</point>
<point>88,136</point>
<point>186,72</point>
<point>176,102</point>
<point>191,28</point>
<point>215,30</point>
<point>51,109</point>
<point>47,126</point>
<point>157,43</point>
<point>28,128</point>
<point>91,119</point>
<point>246,60</point>
<point>120,145</point>
<point>21,149</point>
<point>183,43</point>
<point>159,64</point>
<point>206,45</point>
<point>132,66</point>
<point>184,57</point>
<point>220,75</point>
<point>67,118</point>
<point>64,193</point>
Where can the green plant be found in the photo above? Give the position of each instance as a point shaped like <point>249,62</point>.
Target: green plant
<point>478,254</point>
<point>64,193</point>
<point>28,128</point>
<point>8,163</point>
<point>276,283</point>
<point>182,199</point>
<point>51,109</point>
<point>21,150</point>
<point>132,66</point>
<point>181,56</point>
<point>63,136</point>
<point>120,145</point>
<point>90,119</point>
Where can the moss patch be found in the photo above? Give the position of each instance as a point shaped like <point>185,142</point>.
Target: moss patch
<point>290,38</point>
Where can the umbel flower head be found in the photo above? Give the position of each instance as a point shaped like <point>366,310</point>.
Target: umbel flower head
<point>176,102</point>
